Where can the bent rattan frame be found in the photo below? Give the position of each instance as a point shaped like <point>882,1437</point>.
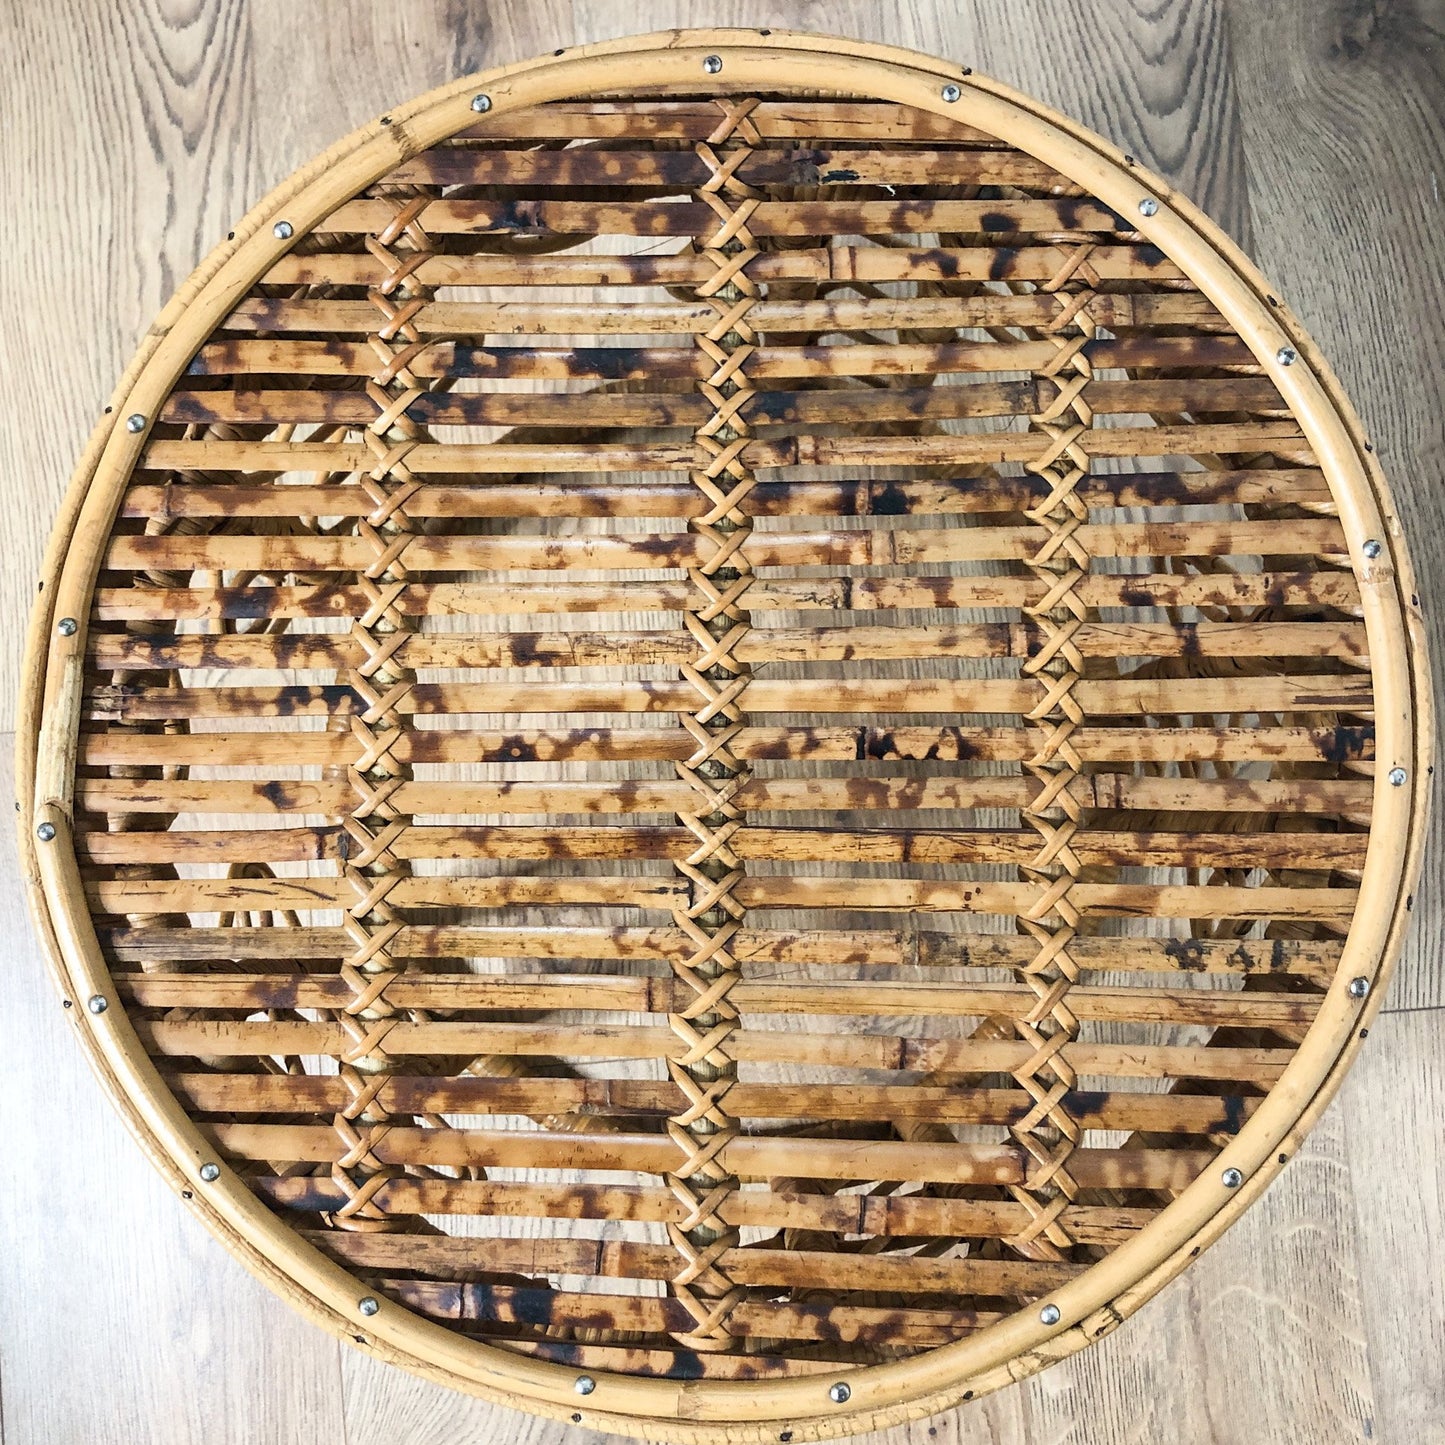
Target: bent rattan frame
<point>1084,1308</point>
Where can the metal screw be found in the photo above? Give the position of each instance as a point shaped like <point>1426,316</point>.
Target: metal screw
<point>1148,206</point>
<point>135,422</point>
<point>1359,987</point>
<point>950,92</point>
<point>585,1385</point>
<point>1372,549</point>
<point>45,832</point>
<point>1397,777</point>
<point>97,1003</point>
<point>1286,356</point>
<point>712,64</point>
<point>210,1172</point>
<point>1232,1178</point>
<point>1050,1314</point>
<point>839,1393</point>
<point>481,104</point>
<point>67,627</point>
<point>368,1305</point>
<point>282,230</point>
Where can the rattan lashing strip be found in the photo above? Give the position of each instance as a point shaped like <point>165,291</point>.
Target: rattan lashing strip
<point>1049,1131</point>
<point>375,775</point>
<point>718,621</point>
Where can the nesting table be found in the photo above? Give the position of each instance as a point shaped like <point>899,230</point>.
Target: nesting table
<point>724,737</point>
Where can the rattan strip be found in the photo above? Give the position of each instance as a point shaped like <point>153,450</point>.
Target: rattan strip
<point>712,912</point>
<point>369,869</point>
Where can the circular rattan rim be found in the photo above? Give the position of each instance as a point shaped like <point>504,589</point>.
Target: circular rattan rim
<point>1088,1307</point>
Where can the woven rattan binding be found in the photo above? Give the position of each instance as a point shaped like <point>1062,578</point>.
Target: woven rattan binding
<point>711,712</point>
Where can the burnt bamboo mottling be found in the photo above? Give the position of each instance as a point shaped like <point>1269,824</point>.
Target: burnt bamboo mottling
<point>724,737</point>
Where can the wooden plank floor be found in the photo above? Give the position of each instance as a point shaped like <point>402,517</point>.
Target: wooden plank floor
<point>135,133</point>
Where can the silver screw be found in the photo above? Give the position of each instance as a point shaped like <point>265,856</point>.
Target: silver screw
<point>1050,1314</point>
<point>1359,987</point>
<point>1397,777</point>
<point>97,1003</point>
<point>585,1384</point>
<point>1148,206</point>
<point>135,422</point>
<point>45,832</point>
<point>712,64</point>
<point>839,1393</point>
<point>481,104</point>
<point>1286,356</point>
<point>67,627</point>
<point>950,92</point>
<point>1372,549</point>
<point>210,1172</point>
<point>1232,1178</point>
<point>368,1305</point>
<point>282,230</point>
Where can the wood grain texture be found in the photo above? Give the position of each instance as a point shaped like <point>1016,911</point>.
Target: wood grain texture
<point>137,133</point>
<point>138,151</point>
<point>1404,1302</point>
<point>1340,105</point>
<point>120,1320</point>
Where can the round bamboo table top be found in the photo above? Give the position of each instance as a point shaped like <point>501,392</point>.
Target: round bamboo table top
<point>724,737</point>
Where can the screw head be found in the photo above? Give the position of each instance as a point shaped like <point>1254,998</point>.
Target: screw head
<point>1372,548</point>
<point>67,627</point>
<point>45,832</point>
<point>1398,777</point>
<point>368,1305</point>
<point>481,104</point>
<point>839,1392</point>
<point>950,92</point>
<point>712,64</point>
<point>282,231</point>
<point>584,1384</point>
<point>1148,206</point>
<point>1359,987</point>
<point>1286,356</point>
<point>97,1003</point>
<point>1232,1178</point>
<point>1050,1314</point>
<point>135,422</point>
<point>210,1172</point>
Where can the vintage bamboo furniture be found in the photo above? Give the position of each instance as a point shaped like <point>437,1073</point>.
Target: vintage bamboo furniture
<point>724,737</point>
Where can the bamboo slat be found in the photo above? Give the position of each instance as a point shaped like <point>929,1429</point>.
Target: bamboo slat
<point>916,945</point>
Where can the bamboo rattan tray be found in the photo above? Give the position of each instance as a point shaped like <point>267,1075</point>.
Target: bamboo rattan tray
<point>723,737</point>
